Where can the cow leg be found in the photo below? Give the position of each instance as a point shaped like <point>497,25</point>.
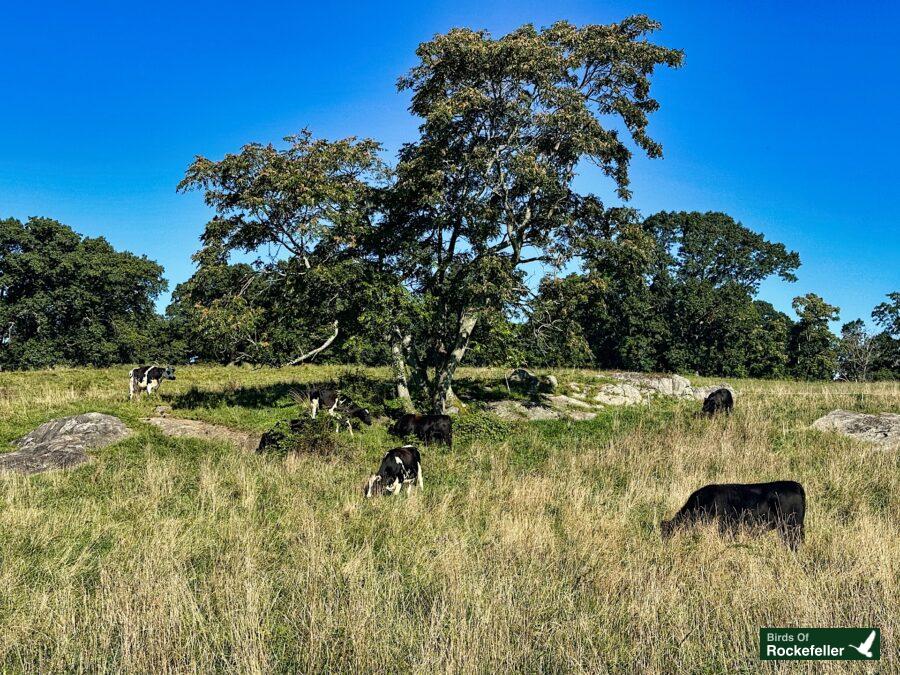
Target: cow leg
<point>315,407</point>
<point>419,481</point>
<point>350,427</point>
<point>334,407</point>
<point>131,389</point>
<point>151,388</point>
<point>791,533</point>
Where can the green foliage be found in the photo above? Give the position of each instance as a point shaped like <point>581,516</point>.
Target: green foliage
<point>299,210</point>
<point>813,347</point>
<point>671,293</point>
<point>72,300</point>
<point>303,435</point>
<point>478,424</point>
<point>488,185</point>
<point>887,315</point>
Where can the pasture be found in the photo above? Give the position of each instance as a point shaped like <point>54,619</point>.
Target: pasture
<point>534,547</point>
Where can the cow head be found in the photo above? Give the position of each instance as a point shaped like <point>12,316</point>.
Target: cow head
<point>169,374</point>
<point>374,486</point>
<point>667,528</point>
<point>363,415</point>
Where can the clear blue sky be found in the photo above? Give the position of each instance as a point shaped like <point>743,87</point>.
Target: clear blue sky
<point>784,114</point>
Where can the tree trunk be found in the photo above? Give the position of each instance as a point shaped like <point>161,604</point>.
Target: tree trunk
<point>443,380</point>
<point>398,365</point>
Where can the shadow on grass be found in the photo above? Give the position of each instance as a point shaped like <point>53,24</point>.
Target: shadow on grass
<point>268,396</point>
<point>488,391</point>
<point>360,388</point>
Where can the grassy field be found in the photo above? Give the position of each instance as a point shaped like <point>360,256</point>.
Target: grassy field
<point>535,546</point>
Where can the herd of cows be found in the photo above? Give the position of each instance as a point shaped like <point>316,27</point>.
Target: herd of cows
<point>779,505</point>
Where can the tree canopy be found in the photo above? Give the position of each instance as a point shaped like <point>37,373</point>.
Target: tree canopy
<point>488,185</point>
<point>72,300</point>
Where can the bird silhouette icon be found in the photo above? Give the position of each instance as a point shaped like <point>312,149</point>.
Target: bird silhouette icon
<point>866,647</point>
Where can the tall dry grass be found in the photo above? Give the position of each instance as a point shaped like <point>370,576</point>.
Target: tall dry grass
<point>539,552</point>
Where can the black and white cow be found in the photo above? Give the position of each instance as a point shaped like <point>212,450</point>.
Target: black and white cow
<point>345,414</point>
<point>780,506</point>
<point>337,406</point>
<point>148,378</point>
<point>325,399</point>
<point>720,400</point>
<point>425,427</point>
<point>399,467</point>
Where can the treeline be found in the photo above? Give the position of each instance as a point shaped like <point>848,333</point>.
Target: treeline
<point>672,293</point>
<point>423,263</point>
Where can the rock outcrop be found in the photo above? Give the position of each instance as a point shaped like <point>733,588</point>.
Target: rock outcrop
<point>883,429</point>
<point>584,399</point>
<point>63,443</point>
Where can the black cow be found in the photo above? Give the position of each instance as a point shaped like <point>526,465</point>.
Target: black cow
<point>777,506</point>
<point>399,467</point>
<point>425,427</point>
<point>718,401</point>
<point>148,378</point>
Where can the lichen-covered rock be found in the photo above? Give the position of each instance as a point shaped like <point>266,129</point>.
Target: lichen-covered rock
<point>619,394</point>
<point>548,383</point>
<point>563,401</point>
<point>675,386</point>
<point>512,411</point>
<point>63,443</point>
<point>883,429</point>
<point>700,393</point>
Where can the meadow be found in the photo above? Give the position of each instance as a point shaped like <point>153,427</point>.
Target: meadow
<point>534,547</point>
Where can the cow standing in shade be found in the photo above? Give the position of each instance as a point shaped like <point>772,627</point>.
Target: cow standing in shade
<point>323,399</point>
<point>425,427</point>
<point>147,378</point>
<point>399,467</point>
<point>780,506</point>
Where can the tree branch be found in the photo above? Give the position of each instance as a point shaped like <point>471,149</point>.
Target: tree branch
<point>311,354</point>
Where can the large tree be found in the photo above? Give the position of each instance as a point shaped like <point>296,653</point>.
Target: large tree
<point>488,185</point>
<point>675,292</point>
<point>72,300</point>
<point>296,211</point>
<point>857,352</point>
<point>886,364</point>
<point>813,347</point>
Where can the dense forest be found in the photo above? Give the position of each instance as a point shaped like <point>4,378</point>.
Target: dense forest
<point>430,261</point>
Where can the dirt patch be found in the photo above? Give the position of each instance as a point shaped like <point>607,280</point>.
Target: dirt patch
<point>205,431</point>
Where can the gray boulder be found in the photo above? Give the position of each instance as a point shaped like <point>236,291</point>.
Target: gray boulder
<point>63,443</point>
<point>883,429</point>
<point>619,394</point>
<point>675,386</point>
<point>700,393</point>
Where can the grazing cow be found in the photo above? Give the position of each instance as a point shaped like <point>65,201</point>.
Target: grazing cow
<point>718,401</point>
<point>399,467</point>
<point>148,378</point>
<point>425,427</point>
<point>327,399</point>
<point>346,414</point>
<point>777,506</point>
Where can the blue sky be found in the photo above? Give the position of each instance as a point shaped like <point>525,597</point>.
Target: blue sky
<point>783,115</point>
